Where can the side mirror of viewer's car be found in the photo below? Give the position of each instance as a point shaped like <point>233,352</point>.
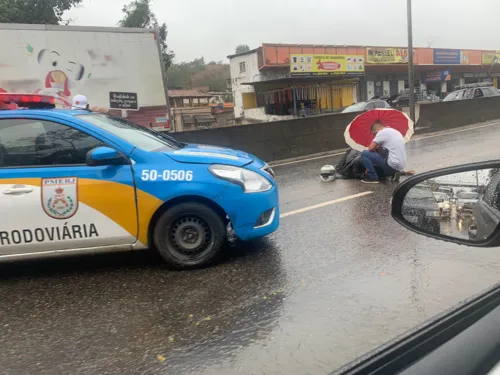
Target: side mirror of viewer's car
<point>470,217</point>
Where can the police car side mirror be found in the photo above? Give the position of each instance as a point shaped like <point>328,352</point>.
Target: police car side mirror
<point>105,156</point>
<point>472,219</point>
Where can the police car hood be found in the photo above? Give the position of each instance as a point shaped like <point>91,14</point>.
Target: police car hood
<point>193,153</point>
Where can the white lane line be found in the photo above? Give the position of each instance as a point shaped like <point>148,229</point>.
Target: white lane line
<point>324,204</point>
<point>413,140</point>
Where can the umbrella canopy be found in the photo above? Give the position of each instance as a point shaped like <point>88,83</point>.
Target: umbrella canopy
<point>358,133</point>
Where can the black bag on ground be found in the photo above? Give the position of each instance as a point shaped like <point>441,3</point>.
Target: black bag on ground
<point>350,165</point>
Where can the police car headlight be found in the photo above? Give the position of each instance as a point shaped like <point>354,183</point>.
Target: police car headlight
<point>250,181</point>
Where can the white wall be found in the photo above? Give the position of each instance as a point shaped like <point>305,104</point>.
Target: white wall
<point>260,114</point>
<point>252,74</point>
<point>67,62</point>
<point>386,86</point>
<point>237,78</point>
<point>370,89</point>
<point>401,86</point>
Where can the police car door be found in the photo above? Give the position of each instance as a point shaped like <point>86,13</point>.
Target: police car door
<point>51,200</point>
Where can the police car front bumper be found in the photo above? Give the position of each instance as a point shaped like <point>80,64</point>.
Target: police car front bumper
<point>252,215</point>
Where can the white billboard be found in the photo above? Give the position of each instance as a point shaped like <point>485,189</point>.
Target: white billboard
<point>66,61</point>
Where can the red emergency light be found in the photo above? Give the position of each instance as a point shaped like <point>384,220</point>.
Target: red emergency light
<point>34,101</point>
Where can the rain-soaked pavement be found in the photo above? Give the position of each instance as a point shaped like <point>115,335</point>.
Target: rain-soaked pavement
<point>331,284</point>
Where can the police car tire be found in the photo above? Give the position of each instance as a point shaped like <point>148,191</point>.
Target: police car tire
<point>169,217</point>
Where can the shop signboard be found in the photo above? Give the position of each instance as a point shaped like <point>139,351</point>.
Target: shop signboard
<point>438,76</point>
<point>387,55</point>
<point>309,65</point>
<point>447,57</point>
<point>489,57</point>
<point>466,57</point>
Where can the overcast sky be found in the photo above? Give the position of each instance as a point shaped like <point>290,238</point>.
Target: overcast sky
<point>213,28</point>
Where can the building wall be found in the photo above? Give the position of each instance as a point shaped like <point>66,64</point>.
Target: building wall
<point>237,78</point>
<point>260,114</point>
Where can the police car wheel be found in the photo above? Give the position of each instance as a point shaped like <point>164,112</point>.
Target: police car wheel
<point>189,235</point>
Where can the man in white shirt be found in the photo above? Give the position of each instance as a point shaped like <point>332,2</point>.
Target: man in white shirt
<point>392,141</point>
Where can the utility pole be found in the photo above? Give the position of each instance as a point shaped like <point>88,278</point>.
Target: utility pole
<point>411,68</point>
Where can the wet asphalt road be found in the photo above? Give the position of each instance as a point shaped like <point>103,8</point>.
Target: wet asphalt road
<point>331,284</point>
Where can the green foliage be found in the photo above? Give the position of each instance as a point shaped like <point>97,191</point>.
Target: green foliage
<point>138,14</point>
<point>35,11</point>
<point>196,73</point>
<point>242,48</point>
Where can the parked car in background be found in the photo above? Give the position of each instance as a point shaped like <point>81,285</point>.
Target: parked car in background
<point>421,209</point>
<point>472,91</point>
<point>466,201</point>
<point>365,106</point>
<point>380,97</point>
<point>443,201</point>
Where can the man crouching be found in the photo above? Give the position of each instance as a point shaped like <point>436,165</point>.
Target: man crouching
<point>390,140</point>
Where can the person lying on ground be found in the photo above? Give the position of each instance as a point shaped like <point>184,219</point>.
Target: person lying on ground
<point>391,140</point>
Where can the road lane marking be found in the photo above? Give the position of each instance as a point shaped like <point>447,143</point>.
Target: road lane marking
<point>324,204</point>
<point>413,140</point>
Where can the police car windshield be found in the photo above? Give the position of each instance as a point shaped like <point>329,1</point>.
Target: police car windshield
<point>139,136</point>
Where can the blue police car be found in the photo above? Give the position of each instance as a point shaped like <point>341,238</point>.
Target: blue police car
<point>75,181</point>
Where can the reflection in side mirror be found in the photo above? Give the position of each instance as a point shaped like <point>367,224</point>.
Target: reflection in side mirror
<point>105,156</point>
<point>461,206</point>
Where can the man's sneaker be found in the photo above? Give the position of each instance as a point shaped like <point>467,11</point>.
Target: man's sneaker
<point>369,180</point>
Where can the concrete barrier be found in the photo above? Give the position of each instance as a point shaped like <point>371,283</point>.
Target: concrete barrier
<point>448,115</point>
<point>294,138</point>
<point>279,139</point>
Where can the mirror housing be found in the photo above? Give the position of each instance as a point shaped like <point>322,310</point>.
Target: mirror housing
<point>105,156</point>
<point>467,219</point>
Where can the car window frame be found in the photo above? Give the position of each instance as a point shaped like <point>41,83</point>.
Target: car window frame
<point>467,94</point>
<point>480,89</point>
<point>106,142</point>
<point>452,96</point>
<point>486,92</point>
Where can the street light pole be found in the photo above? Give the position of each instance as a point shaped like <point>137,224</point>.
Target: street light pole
<point>411,68</point>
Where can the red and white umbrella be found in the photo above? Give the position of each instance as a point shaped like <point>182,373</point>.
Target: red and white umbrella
<point>358,133</point>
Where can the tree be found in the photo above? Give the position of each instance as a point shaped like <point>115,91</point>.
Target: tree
<point>35,11</point>
<point>139,14</point>
<point>196,73</point>
<point>242,48</point>
<point>179,75</point>
<point>214,76</point>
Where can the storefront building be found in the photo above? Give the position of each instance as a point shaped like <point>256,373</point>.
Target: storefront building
<point>279,81</point>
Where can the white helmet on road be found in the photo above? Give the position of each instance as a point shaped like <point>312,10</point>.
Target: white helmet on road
<point>80,102</point>
<point>327,173</point>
